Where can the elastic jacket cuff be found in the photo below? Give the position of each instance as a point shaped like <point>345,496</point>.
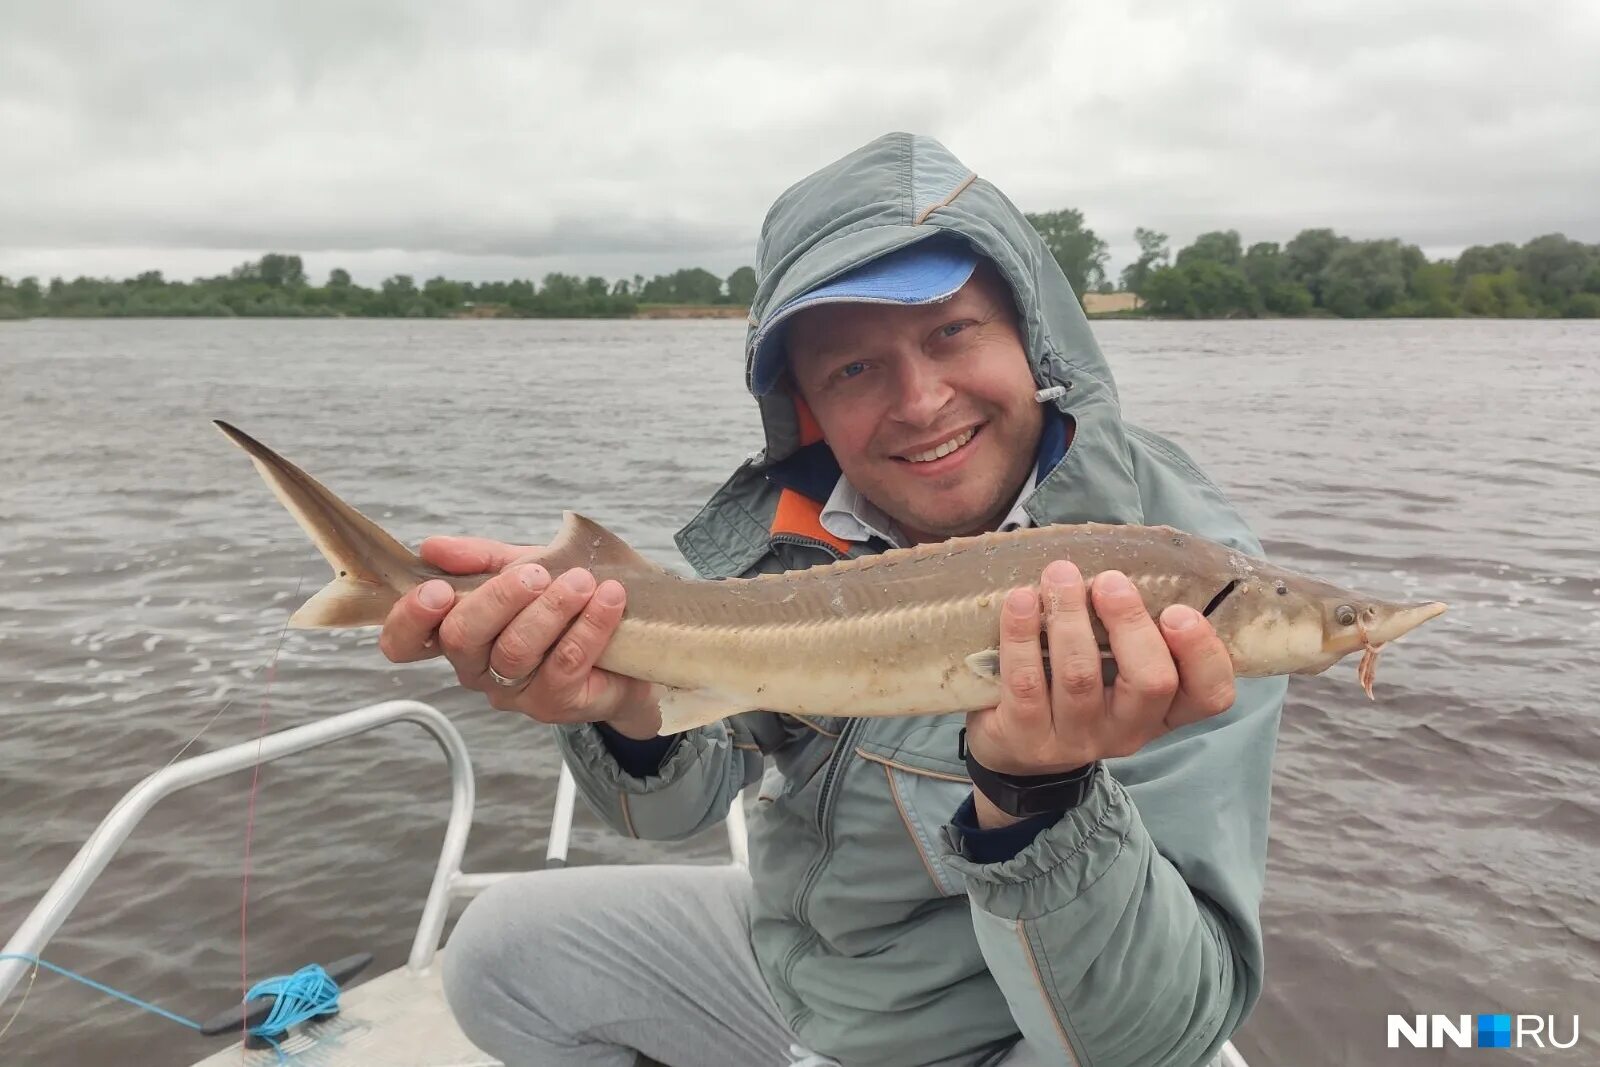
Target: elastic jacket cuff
<point>590,748</point>
<point>995,844</point>
<point>1061,861</point>
<point>638,758</point>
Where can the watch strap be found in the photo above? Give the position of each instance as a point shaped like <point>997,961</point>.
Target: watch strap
<point>1025,795</point>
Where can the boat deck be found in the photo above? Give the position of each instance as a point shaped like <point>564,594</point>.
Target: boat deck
<point>397,1019</point>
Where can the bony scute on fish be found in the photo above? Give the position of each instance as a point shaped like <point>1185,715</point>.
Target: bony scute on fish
<point>838,639</point>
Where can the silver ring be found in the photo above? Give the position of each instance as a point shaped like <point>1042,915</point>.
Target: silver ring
<point>512,683</point>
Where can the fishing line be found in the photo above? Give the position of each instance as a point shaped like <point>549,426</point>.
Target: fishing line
<point>272,663</point>
<point>33,972</point>
<point>249,826</point>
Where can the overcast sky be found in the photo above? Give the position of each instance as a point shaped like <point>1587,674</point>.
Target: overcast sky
<point>501,140</point>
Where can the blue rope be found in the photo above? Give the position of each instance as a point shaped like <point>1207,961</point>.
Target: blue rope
<point>92,984</point>
<point>303,995</point>
<point>300,996</point>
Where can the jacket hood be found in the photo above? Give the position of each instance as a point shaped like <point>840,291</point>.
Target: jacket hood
<point>898,189</point>
<point>894,191</point>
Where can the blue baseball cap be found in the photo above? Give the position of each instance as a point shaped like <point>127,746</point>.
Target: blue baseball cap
<point>927,272</point>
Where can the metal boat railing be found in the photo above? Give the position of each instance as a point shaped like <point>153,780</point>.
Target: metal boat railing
<point>449,881</point>
<point>54,907</point>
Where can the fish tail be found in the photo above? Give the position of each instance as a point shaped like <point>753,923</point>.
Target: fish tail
<point>371,569</point>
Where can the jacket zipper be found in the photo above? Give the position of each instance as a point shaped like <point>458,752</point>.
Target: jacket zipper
<point>807,542</point>
<point>841,752</point>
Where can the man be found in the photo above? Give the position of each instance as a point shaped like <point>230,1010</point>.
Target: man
<point>923,371</point>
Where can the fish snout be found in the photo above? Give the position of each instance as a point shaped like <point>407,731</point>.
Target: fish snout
<point>1398,620</point>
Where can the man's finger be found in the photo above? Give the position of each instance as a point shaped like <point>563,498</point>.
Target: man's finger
<point>1026,700</point>
<point>1205,670</point>
<point>531,638</point>
<point>1074,651</point>
<point>410,632</point>
<point>471,555</point>
<point>567,681</point>
<point>468,632</point>
<point>1147,679</point>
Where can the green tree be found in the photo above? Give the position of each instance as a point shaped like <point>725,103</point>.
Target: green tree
<point>1306,257</point>
<point>338,278</point>
<point>443,296</point>
<point>1496,295</point>
<point>691,286</point>
<point>281,271</point>
<point>1075,248</point>
<point>1582,306</point>
<point>1218,246</point>
<point>1220,291</point>
<point>1201,288</point>
<point>1431,293</point>
<point>1365,278</point>
<point>742,286</point>
<point>29,298</point>
<point>1555,268</point>
<point>1166,292</point>
<point>1486,259</point>
<point>1152,254</point>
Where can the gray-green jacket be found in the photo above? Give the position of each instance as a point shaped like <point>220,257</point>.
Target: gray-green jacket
<point>1125,934</point>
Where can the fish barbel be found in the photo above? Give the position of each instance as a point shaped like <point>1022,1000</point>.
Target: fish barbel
<point>912,631</point>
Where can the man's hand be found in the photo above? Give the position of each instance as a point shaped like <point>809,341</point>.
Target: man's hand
<point>521,623</point>
<point>1168,675</point>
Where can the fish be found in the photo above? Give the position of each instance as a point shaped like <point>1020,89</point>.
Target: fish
<point>909,631</point>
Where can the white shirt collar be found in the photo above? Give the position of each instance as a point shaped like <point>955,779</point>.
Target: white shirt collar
<point>852,517</point>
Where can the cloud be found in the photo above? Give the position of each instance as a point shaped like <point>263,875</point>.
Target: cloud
<point>514,138</point>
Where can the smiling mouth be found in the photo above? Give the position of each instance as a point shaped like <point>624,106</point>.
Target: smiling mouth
<point>955,444</point>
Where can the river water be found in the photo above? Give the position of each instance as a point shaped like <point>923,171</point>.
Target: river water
<point>1435,851</point>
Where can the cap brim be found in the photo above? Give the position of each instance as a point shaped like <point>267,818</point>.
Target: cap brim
<point>924,273</point>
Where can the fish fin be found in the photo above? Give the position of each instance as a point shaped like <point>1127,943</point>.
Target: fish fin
<point>685,709</point>
<point>344,602</point>
<point>985,664</point>
<point>582,542</point>
<point>371,569</point>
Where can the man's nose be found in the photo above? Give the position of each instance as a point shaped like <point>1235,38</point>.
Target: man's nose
<point>923,392</point>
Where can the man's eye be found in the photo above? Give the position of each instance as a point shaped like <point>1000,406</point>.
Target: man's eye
<point>850,370</point>
<point>950,329</point>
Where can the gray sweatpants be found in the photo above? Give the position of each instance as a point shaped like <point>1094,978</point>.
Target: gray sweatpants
<point>585,965</point>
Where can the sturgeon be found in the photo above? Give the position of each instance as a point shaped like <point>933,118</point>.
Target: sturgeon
<point>912,631</point>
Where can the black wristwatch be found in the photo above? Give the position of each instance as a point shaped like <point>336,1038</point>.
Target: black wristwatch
<point>1022,795</point>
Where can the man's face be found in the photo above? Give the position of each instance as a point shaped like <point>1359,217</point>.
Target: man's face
<point>893,386</point>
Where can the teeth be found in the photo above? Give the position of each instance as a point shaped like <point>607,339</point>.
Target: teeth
<point>944,449</point>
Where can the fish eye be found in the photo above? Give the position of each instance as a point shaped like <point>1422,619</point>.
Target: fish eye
<point>1283,590</point>
<point>1345,615</point>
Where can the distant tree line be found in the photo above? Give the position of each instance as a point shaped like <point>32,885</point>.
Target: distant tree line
<point>1321,273</point>
<point>1317,273</point>
<point>276,285</point>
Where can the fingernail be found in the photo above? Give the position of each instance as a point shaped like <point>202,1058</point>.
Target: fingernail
<point>1179,617</point>
<point>1022,601</point>
<point>435,595</point>
<point>1061,572</point>
<point>609,594</point>
<point>1114,582</point>
<point>579,581</point>
<point>533,577</point>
